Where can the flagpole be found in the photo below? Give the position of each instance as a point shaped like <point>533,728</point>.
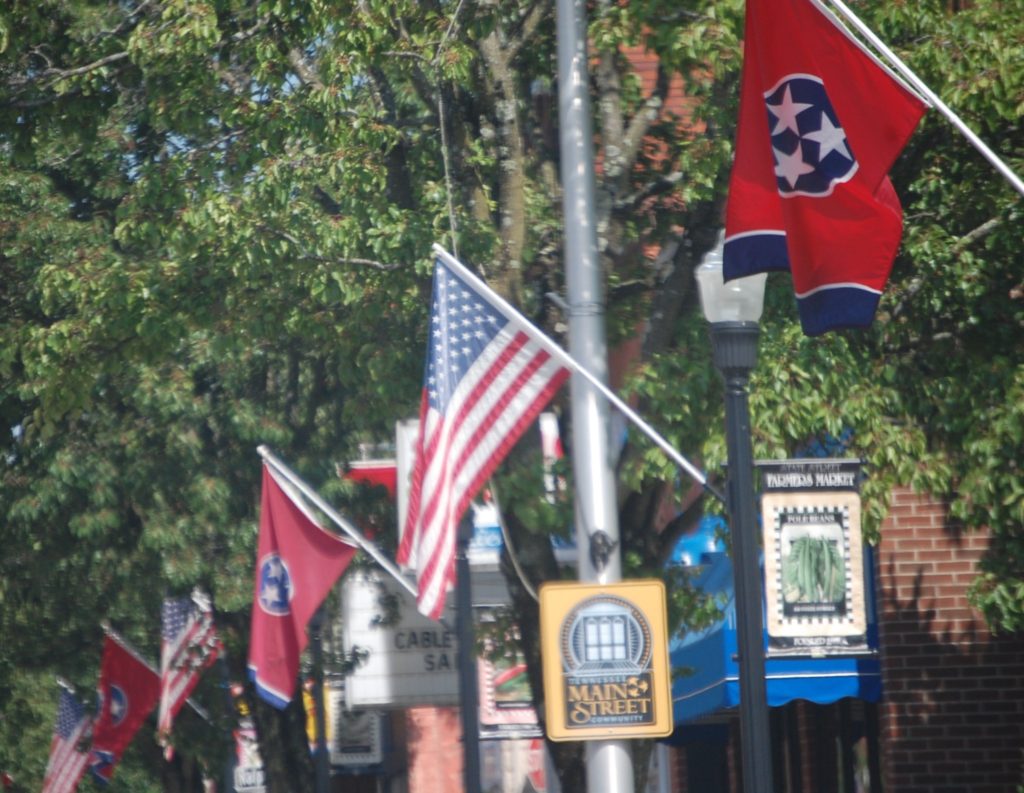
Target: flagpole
<point>117,637</point>
<point>919,85</point>
<point>66,685</point>
<point>570,362</point>
<point>608,762</point>
<point>353,533</point>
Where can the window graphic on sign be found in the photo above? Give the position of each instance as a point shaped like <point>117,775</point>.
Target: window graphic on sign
<point>607,656</point>
<point>814,575</point>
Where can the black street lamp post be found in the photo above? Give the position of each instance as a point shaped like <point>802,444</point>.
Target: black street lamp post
<point>733,310</point>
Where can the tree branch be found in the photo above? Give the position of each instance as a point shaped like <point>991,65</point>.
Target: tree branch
<point>502,88</point>
<point>126,25</point>
<point>53,76</point>
<point>665,184</point>
<point>305,255</point>
<point>528,24</point>
<point>675,291</point>
<point>305,71</point>
<point>642,121</point>
<point>974,235</point>
<point>957,250</point>
<point>609,104</point>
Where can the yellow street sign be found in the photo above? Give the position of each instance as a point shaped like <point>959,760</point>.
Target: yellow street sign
<point>605,660</point>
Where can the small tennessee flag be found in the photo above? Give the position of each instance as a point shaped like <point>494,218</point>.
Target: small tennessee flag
<point>821,123</point>
<point>128,690</point>
<point>297,563</point>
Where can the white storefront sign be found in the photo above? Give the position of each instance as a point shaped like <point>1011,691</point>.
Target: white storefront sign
<point>409,661</point>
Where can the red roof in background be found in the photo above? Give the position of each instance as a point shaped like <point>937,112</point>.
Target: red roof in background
<point>374,472</point>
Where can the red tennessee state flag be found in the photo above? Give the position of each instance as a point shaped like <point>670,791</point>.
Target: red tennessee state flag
<point>297,563</point>
<point>821,123</point>
<point>128,692</point>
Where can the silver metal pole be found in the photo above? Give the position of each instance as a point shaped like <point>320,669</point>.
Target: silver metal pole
<point>609,763</point>
<point>919,85</point>
<point>662,763</point>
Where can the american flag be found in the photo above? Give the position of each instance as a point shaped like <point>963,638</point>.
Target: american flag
<point>68,759</point>
<point>487,378</point>
<point>189,645</point>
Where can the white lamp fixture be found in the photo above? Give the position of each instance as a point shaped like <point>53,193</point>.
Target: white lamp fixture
<point>739,300</point>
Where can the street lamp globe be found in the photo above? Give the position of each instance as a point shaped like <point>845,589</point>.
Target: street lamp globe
<point>738,300</point>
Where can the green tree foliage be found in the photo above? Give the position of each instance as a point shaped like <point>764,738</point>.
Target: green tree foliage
<point>215,225</point>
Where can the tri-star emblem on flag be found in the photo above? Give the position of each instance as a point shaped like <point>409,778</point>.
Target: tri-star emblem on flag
<point>298,561</point>
<point>811,151</point>
<point>128,690</point>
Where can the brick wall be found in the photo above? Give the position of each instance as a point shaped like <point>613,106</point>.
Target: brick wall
<point>952,715</point>
<point>678,769</point>
<point>434,741</point>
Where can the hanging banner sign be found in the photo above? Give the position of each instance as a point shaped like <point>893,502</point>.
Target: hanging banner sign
<point>355,737</point>
<point>814,557</point>
<point>506,699</point>
<point>605,660</point>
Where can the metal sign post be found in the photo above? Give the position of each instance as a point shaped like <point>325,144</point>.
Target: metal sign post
<point>609,763</point>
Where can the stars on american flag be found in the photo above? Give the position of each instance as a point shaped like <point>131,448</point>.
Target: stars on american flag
<point>69,754</point>
<point>69,714</point>
<point>487,376</point>
<point>462,325</point>
<point>190,645</point>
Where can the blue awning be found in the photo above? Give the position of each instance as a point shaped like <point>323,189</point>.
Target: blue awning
<point>706,674</point>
